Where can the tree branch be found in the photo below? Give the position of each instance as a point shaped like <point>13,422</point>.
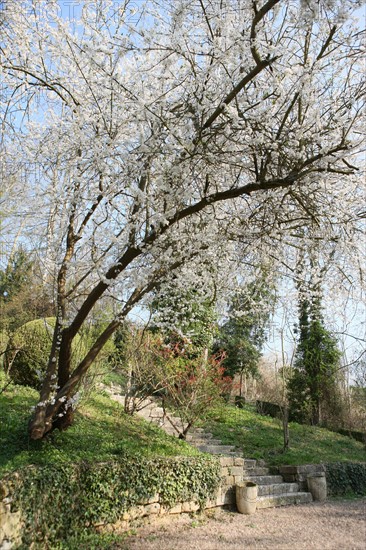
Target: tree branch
<point>236,90</point>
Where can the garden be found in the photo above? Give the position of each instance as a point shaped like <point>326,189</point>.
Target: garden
<point>181,223</point>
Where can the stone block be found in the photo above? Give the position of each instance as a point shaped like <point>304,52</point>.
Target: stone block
<point>229,480</point>
<point>134,513</point>
<point>140,511</point>
<point>239,462</point>
<point>177,509</point>
<point>225,471</point>
<point>288,470</point>
<point>152,509</point>
<point>190,506</point>
<point>236,471</point>
<point>311,469</point>
<point>249,463</point>
<point>211,503</point>
<point>302,469</point>
<point>238,479</point>
<point>226,460</point>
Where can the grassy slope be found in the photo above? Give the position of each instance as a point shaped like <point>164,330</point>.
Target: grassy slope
<point>261,437</point>
<point>102,431</point>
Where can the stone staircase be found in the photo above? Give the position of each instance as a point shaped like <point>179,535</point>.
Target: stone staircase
<point>272,490</point>
<point>205,442</point>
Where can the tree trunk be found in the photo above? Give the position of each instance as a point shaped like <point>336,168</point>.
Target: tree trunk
<point>241,384</point>
<point>46,414</point>
<point>129,397</point>
<point>64,419</point>
<point>286,432</point>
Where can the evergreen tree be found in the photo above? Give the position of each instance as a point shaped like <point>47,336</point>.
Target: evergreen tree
<point>16,274</point>
<point>22,295</point>
<point>313,385</point>
<point>242,336</point>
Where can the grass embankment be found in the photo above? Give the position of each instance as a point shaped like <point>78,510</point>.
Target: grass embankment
<point>261,437</point>
<point>101,432</point>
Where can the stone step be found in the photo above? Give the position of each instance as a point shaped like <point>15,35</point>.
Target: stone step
<point>146,405</point>
<point>169,424</point>
<point>235,454</point>
<point>249,463</point>
<point>283,500</point>
<point>148,413</point>
<point>258,471</point>
<point>238,454</point>
<point>200,435</point>
<point>197,442</point>
<point>277,489</point>
<point>265,480</point>
<point>156,413</point>
<point>216,449</point>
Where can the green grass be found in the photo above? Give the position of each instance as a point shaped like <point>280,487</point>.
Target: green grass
<point>102,432</point>
<point>262,437</point>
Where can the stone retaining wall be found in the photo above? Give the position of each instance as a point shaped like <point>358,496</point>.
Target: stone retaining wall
<point>231,471</point>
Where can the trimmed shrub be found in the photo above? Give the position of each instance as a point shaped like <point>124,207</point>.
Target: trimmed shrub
<point>69,498</point>
<point>28,352</point>
<point>346,477</point>
<point>89,335</point>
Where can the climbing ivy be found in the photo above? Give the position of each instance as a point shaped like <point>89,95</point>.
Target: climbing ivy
<point>346,477</point>
<point>70,498</point>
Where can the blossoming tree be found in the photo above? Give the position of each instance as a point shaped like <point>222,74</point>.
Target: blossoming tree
<point>175,138</point>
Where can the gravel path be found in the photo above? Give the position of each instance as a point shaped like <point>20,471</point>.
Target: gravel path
<point>335,525</point>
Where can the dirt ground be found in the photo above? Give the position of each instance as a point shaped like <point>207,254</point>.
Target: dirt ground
<point>335,525</point>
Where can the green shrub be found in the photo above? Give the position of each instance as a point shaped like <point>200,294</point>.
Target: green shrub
<point>4,339</point>
<point>89,335</point>
<point>56,501</point>
<point>346,477</point>
<point>28,351</point>
<point>103,364</point>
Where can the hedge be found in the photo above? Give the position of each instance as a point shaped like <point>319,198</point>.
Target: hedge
<point>345,478</point>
